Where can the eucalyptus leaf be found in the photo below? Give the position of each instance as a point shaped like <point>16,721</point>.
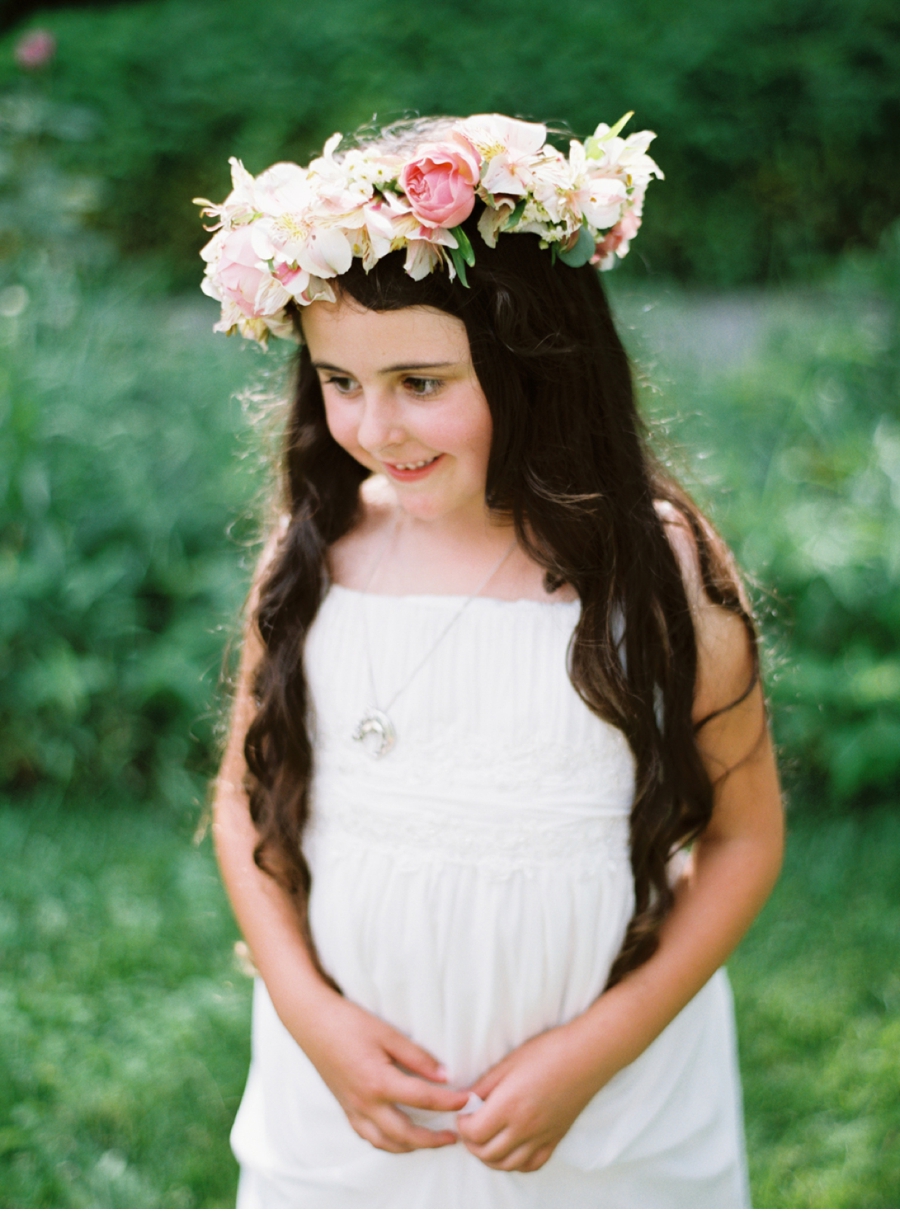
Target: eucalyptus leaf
<point>581,251</point>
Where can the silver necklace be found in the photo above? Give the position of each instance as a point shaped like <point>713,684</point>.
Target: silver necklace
<point>375,729</point>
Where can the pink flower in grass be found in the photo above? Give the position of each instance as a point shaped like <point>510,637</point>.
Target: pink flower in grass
<point>440,182</point>
<point>35,49</point>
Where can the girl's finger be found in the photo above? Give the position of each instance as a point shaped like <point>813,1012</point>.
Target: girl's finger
<point>424,1095</point>
<point>404,1051</point>
<point>372,1134</point>
<point>539,1159</point>
<point>495,1148</point>
<point>405,1135</point>
<point>520,1158</point>
<point>489,1080</point>
<point>481,1126</point>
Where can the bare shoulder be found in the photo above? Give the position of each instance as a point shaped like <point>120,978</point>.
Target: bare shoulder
<point>725,650</point>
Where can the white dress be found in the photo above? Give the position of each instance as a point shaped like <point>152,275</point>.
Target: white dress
<point>472,888</point>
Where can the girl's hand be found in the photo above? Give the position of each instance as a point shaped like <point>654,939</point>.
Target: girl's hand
<point>369,1067</point>
<point>531,1099</point>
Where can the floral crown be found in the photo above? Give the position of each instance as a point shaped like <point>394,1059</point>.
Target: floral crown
<point>280,236</point>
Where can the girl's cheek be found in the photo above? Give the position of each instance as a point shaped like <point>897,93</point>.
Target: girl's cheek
<point>342,428</point>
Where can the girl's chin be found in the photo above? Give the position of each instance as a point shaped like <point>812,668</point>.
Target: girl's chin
<point>436,506</point>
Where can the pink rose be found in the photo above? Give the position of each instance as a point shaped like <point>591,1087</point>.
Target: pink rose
<point>440,182</point>
<point>35,49</point>
<point>238,274</point>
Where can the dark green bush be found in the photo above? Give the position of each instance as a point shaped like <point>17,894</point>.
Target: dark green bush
<point>120,480</point>
<point>777,119</point>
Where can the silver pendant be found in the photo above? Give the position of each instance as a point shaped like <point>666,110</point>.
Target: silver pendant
<point>376,733</point>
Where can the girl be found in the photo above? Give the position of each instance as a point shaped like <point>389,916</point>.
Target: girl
<point>498,678</point>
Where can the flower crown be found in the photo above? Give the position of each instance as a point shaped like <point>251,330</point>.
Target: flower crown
<point>280,236</point>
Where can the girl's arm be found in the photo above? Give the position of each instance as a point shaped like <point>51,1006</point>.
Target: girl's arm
<point>534,1094</point>
<point>357,1055</point>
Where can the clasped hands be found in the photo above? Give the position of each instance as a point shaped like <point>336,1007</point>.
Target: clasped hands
<point>531,1097</point>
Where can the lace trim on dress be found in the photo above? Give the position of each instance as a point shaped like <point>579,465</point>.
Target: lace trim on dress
<point>599,775</point>
<point>501,845</point>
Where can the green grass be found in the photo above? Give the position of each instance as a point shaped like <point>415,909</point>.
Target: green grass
<point>818,993</point>
<point>125,1025</point>
<point>124,1022</point>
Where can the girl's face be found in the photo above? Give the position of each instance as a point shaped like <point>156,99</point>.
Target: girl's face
<point>402,397</point>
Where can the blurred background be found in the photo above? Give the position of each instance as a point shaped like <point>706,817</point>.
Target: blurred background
<point>762,307</point>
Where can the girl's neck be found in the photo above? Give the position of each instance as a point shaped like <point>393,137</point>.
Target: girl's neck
<point>445,555</point>
<point>393,554</point>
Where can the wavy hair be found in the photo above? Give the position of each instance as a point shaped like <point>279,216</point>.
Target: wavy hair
<point>570,466</point>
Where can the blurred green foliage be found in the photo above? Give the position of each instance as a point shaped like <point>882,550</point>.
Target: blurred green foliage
<point>130,475</point>
<point>803,454</point>
<point>120,481</point>
<point>795,449</point>
<point>777,119</point>
<point>119,477</point>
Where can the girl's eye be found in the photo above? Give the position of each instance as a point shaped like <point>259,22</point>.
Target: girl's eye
<point>422,386</point>
<point>344,384</point>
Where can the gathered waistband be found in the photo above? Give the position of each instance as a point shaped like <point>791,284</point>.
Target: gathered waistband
<point>496,838</point>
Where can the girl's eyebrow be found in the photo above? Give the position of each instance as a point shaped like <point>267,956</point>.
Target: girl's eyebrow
<point>390,369</point>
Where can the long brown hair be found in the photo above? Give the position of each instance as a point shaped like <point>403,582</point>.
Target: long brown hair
<point>569,465</point>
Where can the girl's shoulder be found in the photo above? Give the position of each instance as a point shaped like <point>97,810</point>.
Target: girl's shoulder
<point>726,649</point>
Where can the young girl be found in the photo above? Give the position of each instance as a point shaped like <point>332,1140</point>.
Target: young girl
<point>499,677</point>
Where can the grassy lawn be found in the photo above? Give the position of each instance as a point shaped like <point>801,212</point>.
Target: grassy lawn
<point>125,1023</point>
<point>818,993</point>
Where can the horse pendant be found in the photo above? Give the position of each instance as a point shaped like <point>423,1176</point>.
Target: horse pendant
<point>376,733</point>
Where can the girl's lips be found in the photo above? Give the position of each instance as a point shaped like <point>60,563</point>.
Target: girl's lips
<point>407,477</point>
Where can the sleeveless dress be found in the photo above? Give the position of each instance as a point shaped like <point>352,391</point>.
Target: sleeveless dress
<point>472,888</point>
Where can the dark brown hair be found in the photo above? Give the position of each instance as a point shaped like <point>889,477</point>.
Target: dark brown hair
<point>570,466</point>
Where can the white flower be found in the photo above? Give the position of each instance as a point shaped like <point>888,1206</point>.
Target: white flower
<point>510,151</point>
<point>422,257</point>
<point>493,220</point>
<point>495,133</point>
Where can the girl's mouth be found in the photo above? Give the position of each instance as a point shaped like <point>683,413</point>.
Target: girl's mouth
<point>409,472</point>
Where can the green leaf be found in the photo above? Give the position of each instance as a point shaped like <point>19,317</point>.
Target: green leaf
<point>593,147</point>
<point>516,215</point>
<point>465,247</point>
<point>459,264</point>
<point>581,251</point>
<point>618,126</point>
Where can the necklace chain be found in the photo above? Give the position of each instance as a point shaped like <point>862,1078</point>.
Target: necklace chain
<point>376,722</point>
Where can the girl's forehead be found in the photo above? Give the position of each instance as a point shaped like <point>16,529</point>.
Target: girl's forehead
<point>409,335</point>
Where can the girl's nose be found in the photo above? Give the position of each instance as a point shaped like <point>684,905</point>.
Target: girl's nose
<point>379,425</point>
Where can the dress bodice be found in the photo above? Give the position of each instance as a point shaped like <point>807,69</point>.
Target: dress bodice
<point>498,761</point>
